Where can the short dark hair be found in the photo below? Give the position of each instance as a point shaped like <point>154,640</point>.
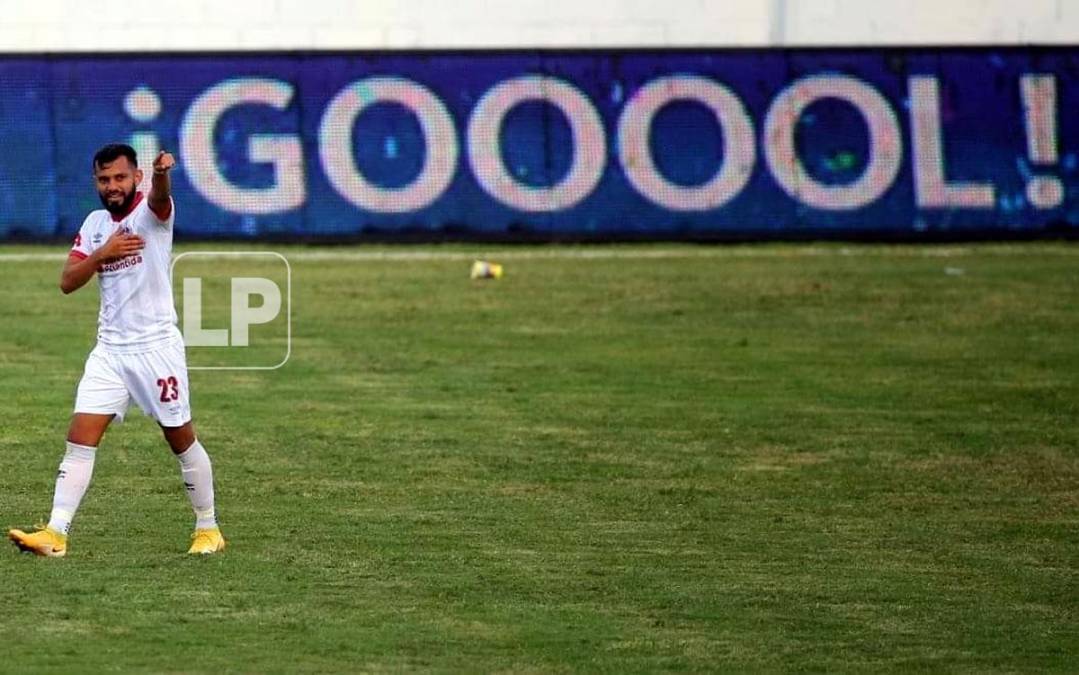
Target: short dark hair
<point>113,152</point>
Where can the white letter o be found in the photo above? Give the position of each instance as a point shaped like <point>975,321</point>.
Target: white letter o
<point>485,148</point>
<point>885,143</point>
<point>440,136</point>
<point>739,143</point>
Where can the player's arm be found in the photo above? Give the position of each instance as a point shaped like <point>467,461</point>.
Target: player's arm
<point>80,267</point>
<point>160,199</point>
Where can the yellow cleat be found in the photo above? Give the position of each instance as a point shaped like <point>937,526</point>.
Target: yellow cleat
<point>205,542</point>
<point>45,542</point>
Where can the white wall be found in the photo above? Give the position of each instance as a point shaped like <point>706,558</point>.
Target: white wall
<point>822,22</point>
<point>74,25</point>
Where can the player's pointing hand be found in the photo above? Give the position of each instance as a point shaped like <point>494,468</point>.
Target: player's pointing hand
<point>164,162</point>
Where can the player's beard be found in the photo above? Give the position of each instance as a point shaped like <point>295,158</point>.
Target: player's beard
<point>121,208</point>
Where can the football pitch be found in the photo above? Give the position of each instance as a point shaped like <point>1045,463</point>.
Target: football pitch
<point>619,458</point>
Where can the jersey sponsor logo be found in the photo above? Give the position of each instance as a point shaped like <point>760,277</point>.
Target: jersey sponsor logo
<point>120,265</point>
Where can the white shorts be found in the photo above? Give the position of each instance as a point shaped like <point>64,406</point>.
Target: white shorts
<point>157,380</point>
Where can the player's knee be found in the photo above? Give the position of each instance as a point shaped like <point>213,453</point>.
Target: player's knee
<point>86,440</point>
<point>88,429</point>
<point>179,438</point>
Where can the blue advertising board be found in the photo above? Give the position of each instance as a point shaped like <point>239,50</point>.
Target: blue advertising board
<point>667,144</point>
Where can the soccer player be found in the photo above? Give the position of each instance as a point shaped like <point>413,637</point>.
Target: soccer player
<point>139,353</point>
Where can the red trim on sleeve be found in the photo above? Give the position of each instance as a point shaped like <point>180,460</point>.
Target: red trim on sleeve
<point>79,255</point>
<point>167,211</point>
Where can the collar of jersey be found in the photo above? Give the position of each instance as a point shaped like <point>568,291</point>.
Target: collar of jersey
<point>134,203</point>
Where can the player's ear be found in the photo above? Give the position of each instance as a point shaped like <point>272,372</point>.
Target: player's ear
<point>138,177</point>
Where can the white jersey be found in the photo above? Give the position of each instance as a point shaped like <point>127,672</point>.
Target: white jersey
<point>137,312</point>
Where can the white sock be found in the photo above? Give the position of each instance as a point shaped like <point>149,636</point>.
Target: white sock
<point>198,477</point>
<point>72,479</point>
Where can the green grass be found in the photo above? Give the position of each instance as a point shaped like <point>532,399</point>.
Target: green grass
<point>753,458</point>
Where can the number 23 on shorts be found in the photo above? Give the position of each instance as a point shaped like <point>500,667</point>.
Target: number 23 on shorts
<point>170,388</point>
